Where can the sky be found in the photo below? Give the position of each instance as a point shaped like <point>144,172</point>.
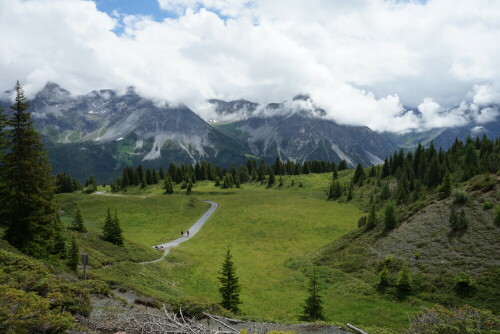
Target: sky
<point>390,65</point>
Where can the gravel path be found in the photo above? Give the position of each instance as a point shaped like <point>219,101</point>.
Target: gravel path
<point>192,231</point>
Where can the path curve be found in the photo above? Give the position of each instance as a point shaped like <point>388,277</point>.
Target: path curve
<point>192,231</point>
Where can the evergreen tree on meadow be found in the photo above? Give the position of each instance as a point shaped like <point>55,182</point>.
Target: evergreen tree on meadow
<point>230,289</point>
<point>112,231</point>
<point>470,162</point>
<point>271,179</point>
<point>125,180</point>
<point>168,186</point>
<point>313,308</point>
<point>385,192</point>
<point>445,187</point>
<point>359,174</point>
<point>458,222</point>
<point>217,182</point>
<point>161,173</point>
<point>74,255</point>
<point>30,210</point>
<point>350,192</point>
<point>189,188</point>
<point>383,279</point>
<point>371,221</point>
<point>77,223</point>
<point>335,174</point>
<point>143,183</point>
<point>390,220</point>
<point>149,176</point>
<point>404,283</point>
<point>155,177</point>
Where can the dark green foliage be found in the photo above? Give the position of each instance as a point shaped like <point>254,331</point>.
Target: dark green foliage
<point>383,279</point>
<point>112,231</point>
<point>335,174</point>
<point>217,182</point>
<point>74,255</point>
<point>280,182</point>
<point>271,180</point>
<point>335,190</point>
<point>404,283</point>
<point>362,221</point>
<point>458,222</point>
<point>385,192</point>
<point>445,187</point>
<point>371,221</point>
<point>343,165</point>
<point>227,181</point>
<point>77,224</point>
<point>463,285</point>
<point>169,188</point>
<point>67,184</point>
<point>390,220</point>
<point>230,289</point>
<point>471,162</point>
<point>313,308</point>
<point>161,173</point>
<point>497,215</point>
<point>189,188</point>
<point>460,196</point>
<point>350,192</point>
<point>359,174</point>
<point>27,203</point>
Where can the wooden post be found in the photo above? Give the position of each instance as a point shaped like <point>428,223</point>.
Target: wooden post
<point>85,261</point>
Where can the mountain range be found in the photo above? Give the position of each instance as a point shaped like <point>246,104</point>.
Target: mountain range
<point>100,132</point>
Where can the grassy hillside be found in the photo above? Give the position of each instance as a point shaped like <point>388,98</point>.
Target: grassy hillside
<point>271,232</point>
<point>437,256</point>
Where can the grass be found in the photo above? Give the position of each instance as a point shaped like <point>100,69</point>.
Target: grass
<point>272,234</point>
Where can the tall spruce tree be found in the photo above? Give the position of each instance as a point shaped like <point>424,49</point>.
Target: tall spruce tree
<point>74,255</point>
<point>77,223</point>
<point>230,289</point>
<point>404,284</point>
<point>30,209</point>
<point>169,188</point>
<point>359,174</point>
<point>111,230</point>
<point>372,217</point>
<point>445,187</point>
<point>390,220</point>
<point>313,308</point>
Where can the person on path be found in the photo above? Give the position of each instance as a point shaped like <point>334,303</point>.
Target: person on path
<point>182,234</point>
<point>187,236</point>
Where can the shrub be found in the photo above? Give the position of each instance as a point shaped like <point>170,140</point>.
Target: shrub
<point>460,196</point>
<point>488,205</point>
<point>195,306</point>
<point>497,216</point>
<point>464,286</point>
<point>96,287</point>
<point>464,320</point>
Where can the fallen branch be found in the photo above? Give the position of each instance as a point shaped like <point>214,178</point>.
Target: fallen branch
<point>357,330</point>
<point>222,323</point>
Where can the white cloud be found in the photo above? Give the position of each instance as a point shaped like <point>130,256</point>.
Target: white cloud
<point>360,60</point>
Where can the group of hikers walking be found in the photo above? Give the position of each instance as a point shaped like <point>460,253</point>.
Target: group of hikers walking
<point>185,235</point>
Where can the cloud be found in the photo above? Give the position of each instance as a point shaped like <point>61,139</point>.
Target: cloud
<point>363,61</point>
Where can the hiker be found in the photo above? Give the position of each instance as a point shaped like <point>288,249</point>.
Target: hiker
<point>187,236</point>
<point>182,234</point>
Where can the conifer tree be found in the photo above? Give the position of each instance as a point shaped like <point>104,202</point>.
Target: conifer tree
<point>140,172</point>
<point>372,217</point>
<point>271,179</point>
<point>335,174</point>
<point>313,308</point>
<point>29,209</point>
<point>125,180</point>
<point>161,173</point>
<point>230,289</point>
<point>383,279</point>
<point>342,165</point>
<point>403,285</point>
<point>168,186</point>
<point>111,230</point>
<point>149,176</point>
<point>385,192</point>
<point>74,255</point>
<point>390,216</point>
<point>155,177</point>
<point>217,182</point>
<point>454,220</point>
<point>350,192</point>
<point>189,188</point>
<point>143,183</point>
<point>77,224</point>
<point>445,188</point>
<point>470,162</point>
<point>359,174</point>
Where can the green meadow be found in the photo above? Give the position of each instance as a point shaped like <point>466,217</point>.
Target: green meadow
<point>272,234</point>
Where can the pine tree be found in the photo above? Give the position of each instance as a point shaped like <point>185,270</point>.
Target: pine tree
<point>372,217</point>
<point>462,220</point>
<point>74,255</point>
<point>149,176</point>
<point>230,289</point>
<point>111,229</point>
<point>385,192</point>
<point>29,209</point>
<point>470,162</point>
<point>169,188</point>
<point>390,216</point>
<point>271,179</point>
<point>350,192</point>
<point>383,279</point>
<point>454,220</point>
<point>335,174</point>
<point>445,188</point>
<point>217,182</point>
<point>189,188</point>
<point>359,174</point>
<point>143,183</point>
<point>161,173</point>
<point>313,308</point>
<point>403,285</point>
<point>77,224</point>
<point>155,177</point>
<point>125,180</point>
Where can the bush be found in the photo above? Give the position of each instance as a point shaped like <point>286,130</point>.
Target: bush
<point>460,196</point>
<point>96,287</point>
<point>488,205</point>
<point>497,216</point>
<point>464,320</point>
<point>464,286</point>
